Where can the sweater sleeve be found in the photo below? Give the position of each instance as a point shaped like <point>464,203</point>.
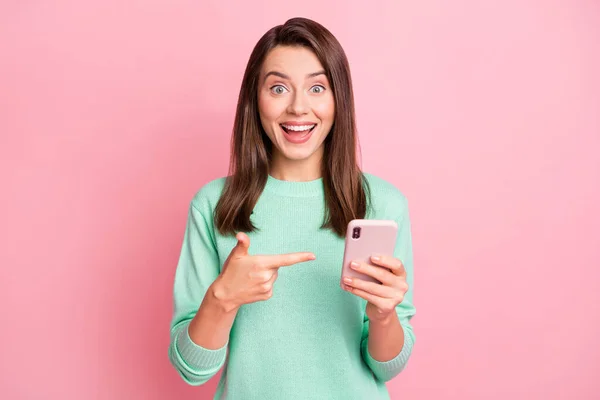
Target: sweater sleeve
<point>197,268</point>
<point>384,371</point>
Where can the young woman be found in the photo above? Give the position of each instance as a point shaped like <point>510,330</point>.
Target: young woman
<point>257,287</point>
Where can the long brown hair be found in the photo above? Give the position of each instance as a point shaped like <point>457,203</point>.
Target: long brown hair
<point>345,187</point>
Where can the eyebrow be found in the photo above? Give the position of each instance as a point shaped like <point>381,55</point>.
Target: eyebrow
<point>284,76</point>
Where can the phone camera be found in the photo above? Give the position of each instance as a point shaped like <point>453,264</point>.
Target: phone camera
<point>356,232</point>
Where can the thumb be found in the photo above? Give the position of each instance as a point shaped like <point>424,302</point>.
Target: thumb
<point>241,248</point>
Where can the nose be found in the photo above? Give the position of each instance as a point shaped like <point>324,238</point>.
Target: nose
<point>299,104</point>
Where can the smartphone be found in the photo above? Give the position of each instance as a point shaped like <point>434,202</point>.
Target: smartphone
<point>365,238</point>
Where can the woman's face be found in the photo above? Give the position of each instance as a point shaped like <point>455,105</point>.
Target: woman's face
<point>296,103</point>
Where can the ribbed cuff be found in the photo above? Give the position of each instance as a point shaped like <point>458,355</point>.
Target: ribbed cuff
<point>198,358</point>
<point>386,370</point>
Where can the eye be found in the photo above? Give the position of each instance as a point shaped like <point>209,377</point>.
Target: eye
<point>278,89</point>
<point>317,89</point>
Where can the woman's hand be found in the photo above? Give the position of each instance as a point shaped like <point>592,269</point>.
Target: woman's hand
<point>249,278</point>
<point>383,298</point>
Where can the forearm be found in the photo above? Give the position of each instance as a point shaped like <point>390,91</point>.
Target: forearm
<point>387,347</point>
<point>199,347</point>
<point>386,338</point>
<point>212,324</point>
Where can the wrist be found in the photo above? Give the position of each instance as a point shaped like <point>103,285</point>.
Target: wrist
<point>210,327</point>
<point>218,297</point>
<point>384,320</point>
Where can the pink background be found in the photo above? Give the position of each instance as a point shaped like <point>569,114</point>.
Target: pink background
<point>484,113</point>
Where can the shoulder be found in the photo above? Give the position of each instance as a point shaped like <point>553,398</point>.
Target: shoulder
<point>206,198</point>
<point>386,199</point>
<point>380,187</point>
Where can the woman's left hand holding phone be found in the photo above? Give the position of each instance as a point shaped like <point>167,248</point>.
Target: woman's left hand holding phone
<point>383,298</point>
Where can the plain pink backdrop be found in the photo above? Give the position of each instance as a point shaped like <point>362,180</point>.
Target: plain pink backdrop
<point>484,113</point>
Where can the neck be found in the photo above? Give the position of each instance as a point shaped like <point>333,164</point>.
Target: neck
<point>296,170</point>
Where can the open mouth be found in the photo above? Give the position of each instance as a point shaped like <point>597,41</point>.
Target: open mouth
<point>297,134</point>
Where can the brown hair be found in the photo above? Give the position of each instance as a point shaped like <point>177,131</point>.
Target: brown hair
<point>344,185</point>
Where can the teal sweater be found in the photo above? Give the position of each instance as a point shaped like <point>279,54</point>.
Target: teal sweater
<point>309,340</point>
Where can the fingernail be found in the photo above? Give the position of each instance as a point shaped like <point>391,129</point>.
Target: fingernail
<point>354,265</point>
<point>347,280</point>
<point>312,257</point>
<point>375,258</point>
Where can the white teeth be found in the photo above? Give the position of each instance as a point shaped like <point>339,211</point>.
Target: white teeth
<point>296,128</point>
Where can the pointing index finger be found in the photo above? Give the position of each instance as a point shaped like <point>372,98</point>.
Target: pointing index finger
<point>284,260</point>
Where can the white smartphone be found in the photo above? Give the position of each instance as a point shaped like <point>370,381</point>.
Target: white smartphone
<point>365,238</point>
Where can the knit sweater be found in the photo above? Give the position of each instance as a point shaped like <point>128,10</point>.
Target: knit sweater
<point>309,340</point>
